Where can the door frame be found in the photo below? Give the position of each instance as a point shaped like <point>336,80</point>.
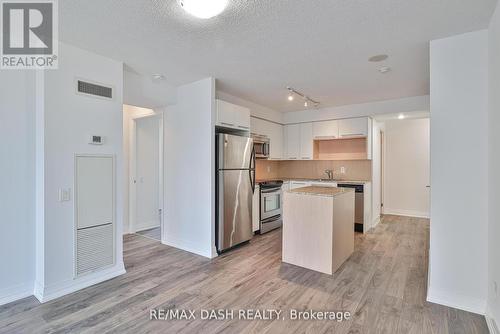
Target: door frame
<point>133,171</point>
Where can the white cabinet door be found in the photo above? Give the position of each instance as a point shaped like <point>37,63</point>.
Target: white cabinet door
<point>256,209</point>
<point>353,127</point>
<point>299,184</point>
<point>326,130</point>
<point>292,141</point>
<point>276,137</point>
<point>306,141</point>
<point>258,126</point>
<point>232,116</point>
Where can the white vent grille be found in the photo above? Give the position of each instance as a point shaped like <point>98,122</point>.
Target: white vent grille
<point>89,88</point>
<point>94,248</point>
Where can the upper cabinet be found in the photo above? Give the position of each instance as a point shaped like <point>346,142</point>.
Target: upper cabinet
<point>306,141</point>
<point>292,141</point>
<point>299,141</point>
<point>326,130</point>
<point>271,130</point>
<point>232,116</point>
<point>353,127</point>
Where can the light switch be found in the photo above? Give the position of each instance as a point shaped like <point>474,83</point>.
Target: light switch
<point>64,195</point>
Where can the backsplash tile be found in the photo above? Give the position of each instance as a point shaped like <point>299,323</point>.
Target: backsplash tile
<point>314,169</point>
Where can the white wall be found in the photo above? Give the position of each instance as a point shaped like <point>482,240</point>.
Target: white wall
<point>256,110</point>
<point>410,104</point>
<point>494,167</point>
<point>407,154</point>
<point>377,127</point>
<point>459,172</point>
<point>129,114</point>
<point>17,179</point>
<point>189,132</point>
<point>69,119</point>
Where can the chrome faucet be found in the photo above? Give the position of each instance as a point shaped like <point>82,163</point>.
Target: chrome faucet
<point>329,174</point>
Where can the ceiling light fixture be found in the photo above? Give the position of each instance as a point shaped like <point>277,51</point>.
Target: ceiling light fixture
<point>378,58</point>
<point>401,116</point>
<point>203,9</point>
<point>306,98</point>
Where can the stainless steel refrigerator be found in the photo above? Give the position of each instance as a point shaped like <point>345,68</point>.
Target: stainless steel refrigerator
<point>235,187</point>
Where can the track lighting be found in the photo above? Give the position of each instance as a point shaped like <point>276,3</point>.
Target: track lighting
<point>306,98</point>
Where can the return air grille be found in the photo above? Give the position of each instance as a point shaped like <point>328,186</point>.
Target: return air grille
<point>94,248</point>
<point>94,89</point>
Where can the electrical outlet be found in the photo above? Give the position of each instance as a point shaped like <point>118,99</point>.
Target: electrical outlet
<point>269,169</point>
<point>342,170</point>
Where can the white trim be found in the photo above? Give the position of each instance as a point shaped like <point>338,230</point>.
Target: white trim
<point>148,226</point>
<point>406,213</point>
<point>492,325</point>
<point>133,169</point>
<point>48,293</point>
<point>461,302</point>
<point>375,222</point>
<point>186,246</point>
<point>13,293</point>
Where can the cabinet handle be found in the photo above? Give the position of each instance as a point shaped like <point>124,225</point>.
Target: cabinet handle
<point>306,158</point>
<point>292,158</point>
<point>243,127</point>
<point>228,124</point>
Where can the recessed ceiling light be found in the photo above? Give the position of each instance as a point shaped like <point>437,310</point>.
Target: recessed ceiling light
<point>290,97</point>
<point>384,69</point>
<point>401,116</point>
<point>378,58</point>
<point>203,9</point>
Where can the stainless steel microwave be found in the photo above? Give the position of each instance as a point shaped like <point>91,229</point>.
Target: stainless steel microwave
<point>262,146</point>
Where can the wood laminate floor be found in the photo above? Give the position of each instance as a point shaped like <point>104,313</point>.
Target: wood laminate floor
<point>383,284</point>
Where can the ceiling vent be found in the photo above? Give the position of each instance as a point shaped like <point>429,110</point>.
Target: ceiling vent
<point>93,89</point>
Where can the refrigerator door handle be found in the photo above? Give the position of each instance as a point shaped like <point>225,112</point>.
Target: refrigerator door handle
<point>252,170</point>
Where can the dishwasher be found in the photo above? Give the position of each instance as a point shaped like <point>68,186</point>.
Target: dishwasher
<point>359,204</point>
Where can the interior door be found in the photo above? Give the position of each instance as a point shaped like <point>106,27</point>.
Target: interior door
<point>235,220</point>
<point>147,173</point>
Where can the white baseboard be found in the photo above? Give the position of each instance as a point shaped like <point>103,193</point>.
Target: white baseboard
<point>16,292</point>
<point>186,246</point>
<point>54,291</point>
<point>146,226</point>
<point>406,213</point>
<point>465,303</point>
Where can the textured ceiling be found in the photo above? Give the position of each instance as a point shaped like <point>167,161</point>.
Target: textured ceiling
<point>256,48</point>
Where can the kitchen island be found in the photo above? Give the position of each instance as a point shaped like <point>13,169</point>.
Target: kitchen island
<point>318,227</point>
